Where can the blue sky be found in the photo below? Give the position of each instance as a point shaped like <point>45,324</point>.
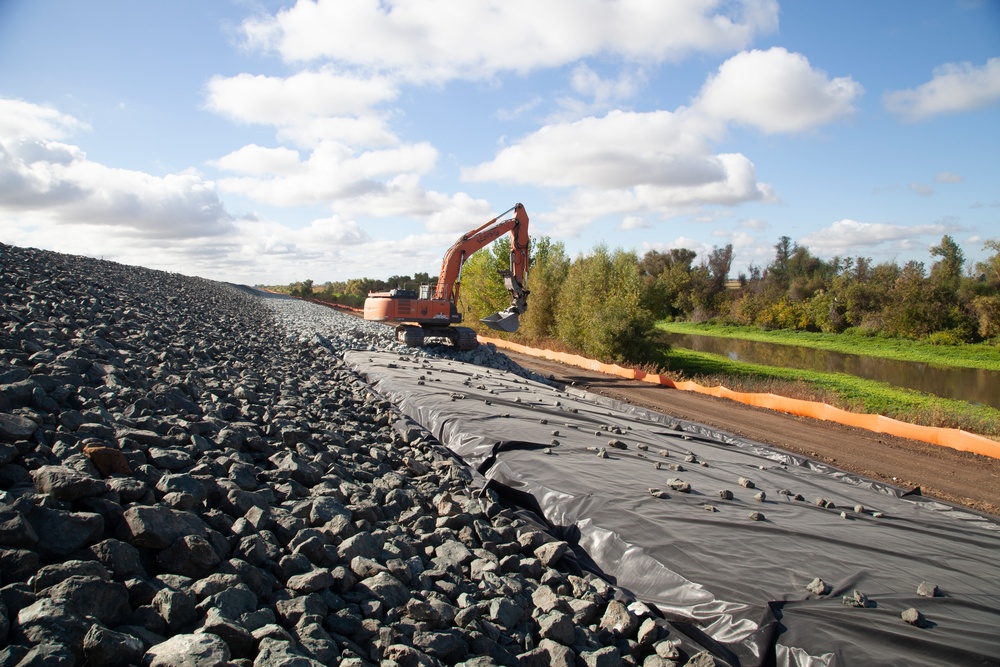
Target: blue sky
<point>269,142</point>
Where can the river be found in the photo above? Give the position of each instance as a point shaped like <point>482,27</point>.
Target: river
<point>974,385</point>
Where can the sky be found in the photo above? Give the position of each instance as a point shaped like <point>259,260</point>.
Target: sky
<point>267,142</point>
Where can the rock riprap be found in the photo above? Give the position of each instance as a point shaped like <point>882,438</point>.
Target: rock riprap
<point>189,475</point>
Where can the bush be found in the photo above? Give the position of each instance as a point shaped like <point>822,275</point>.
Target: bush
<point>943,338</point>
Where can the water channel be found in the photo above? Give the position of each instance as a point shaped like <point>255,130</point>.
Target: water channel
<point>974,385</point>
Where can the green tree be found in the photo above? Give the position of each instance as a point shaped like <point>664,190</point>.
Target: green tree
<point>947,273</point>
<point>666,282</point>
<point>708,284</point>
<point>546,275</point>
<point>985,288</point>
<point>600,312</point>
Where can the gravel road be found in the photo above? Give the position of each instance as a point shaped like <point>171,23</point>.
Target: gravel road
<point>189,475</point>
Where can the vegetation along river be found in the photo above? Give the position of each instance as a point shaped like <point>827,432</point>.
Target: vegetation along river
<point>974,385</point>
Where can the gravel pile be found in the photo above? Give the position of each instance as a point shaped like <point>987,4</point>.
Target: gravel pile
<point>189,475</point>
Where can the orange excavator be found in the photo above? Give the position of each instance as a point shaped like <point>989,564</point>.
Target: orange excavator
<point>421,316</point>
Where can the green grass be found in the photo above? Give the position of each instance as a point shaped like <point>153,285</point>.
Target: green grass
<point>838,389</point>
<point>979,355</point>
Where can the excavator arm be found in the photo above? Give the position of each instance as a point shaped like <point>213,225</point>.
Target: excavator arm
<point>514,221</point>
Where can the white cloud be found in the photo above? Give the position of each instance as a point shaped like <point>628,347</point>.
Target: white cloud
<point>309,94</point>
<point>948,177</point>
<point>332,171</point>
<point>20,121</point>
<point>52,196</point>
<point>309,106</point>
<point>421,40</point>
<point>54,182</point>
<point>626,163</point>
<point>849,236</point>
<point>403,196</point>
<point>921,189</point>
<point>776,91</point>
<point>254,159</point>
<point>599,93</point>
<point>633,222</point>
<point>954,88</point>
<point>589,83</point>
<point>622,149</point>
<point>753,223</point>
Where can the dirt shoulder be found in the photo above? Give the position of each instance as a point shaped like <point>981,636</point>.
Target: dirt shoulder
<point>957,477</point>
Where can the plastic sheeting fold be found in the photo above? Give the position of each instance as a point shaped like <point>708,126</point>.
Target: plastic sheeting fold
<point>725,581</point>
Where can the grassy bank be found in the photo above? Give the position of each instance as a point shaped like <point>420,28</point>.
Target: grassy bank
<point>838,389</point>
<point>979,355</point>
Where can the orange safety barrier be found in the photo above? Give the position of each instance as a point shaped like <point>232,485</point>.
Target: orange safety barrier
<point>946,437</point>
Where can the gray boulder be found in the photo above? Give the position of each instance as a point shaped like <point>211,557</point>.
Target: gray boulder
<point>197,650</point>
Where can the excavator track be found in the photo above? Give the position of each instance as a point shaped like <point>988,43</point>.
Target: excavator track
<point>464,338</point>
<point>409,335</point>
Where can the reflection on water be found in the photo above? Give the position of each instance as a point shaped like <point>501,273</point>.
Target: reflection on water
<point>974,385</point>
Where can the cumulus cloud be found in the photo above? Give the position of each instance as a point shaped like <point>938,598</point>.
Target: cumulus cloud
<point>25,121</point>
<point>626,163</point>
<point>403,196</point>
<point>847,236</point>
<point>331,171</point>
<point>776,91</point>
<point>954,88</point>
<point>621,149</point>
<point>948,177</point>
<point>308,106</point>
<point>416,40</point>
<point>55,181</point>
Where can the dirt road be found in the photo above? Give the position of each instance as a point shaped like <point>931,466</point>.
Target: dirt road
<point>958,477</point>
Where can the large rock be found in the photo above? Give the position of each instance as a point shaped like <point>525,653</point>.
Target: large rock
<point>120,558</point>
<point>107,601</point>
<point>16,427</point>
<point>15,529</point>
<point>48,655</point>
<point>66,483</point>
<point>177,608</point>
<point>174,460</point>
<point>199,650</point>
<point>108,648</point>
<point>191,556</point>
<point>50,575</point>
<point>48,621</point>
<point>61,532</point>
<point>157,526</point>
<point>386,588</point>
<point>278,653</point>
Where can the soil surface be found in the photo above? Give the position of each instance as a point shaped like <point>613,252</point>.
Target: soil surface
<point>961,478</point>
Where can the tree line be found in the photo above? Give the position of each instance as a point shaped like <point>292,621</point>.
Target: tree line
<point>604,304</point>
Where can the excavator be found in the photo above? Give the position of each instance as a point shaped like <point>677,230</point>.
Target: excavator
<point>420,316</point>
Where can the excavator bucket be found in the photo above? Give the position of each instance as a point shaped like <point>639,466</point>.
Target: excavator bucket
<point>507,320</point>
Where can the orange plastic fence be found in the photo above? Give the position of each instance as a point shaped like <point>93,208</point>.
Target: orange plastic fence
<point>947,437</point>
